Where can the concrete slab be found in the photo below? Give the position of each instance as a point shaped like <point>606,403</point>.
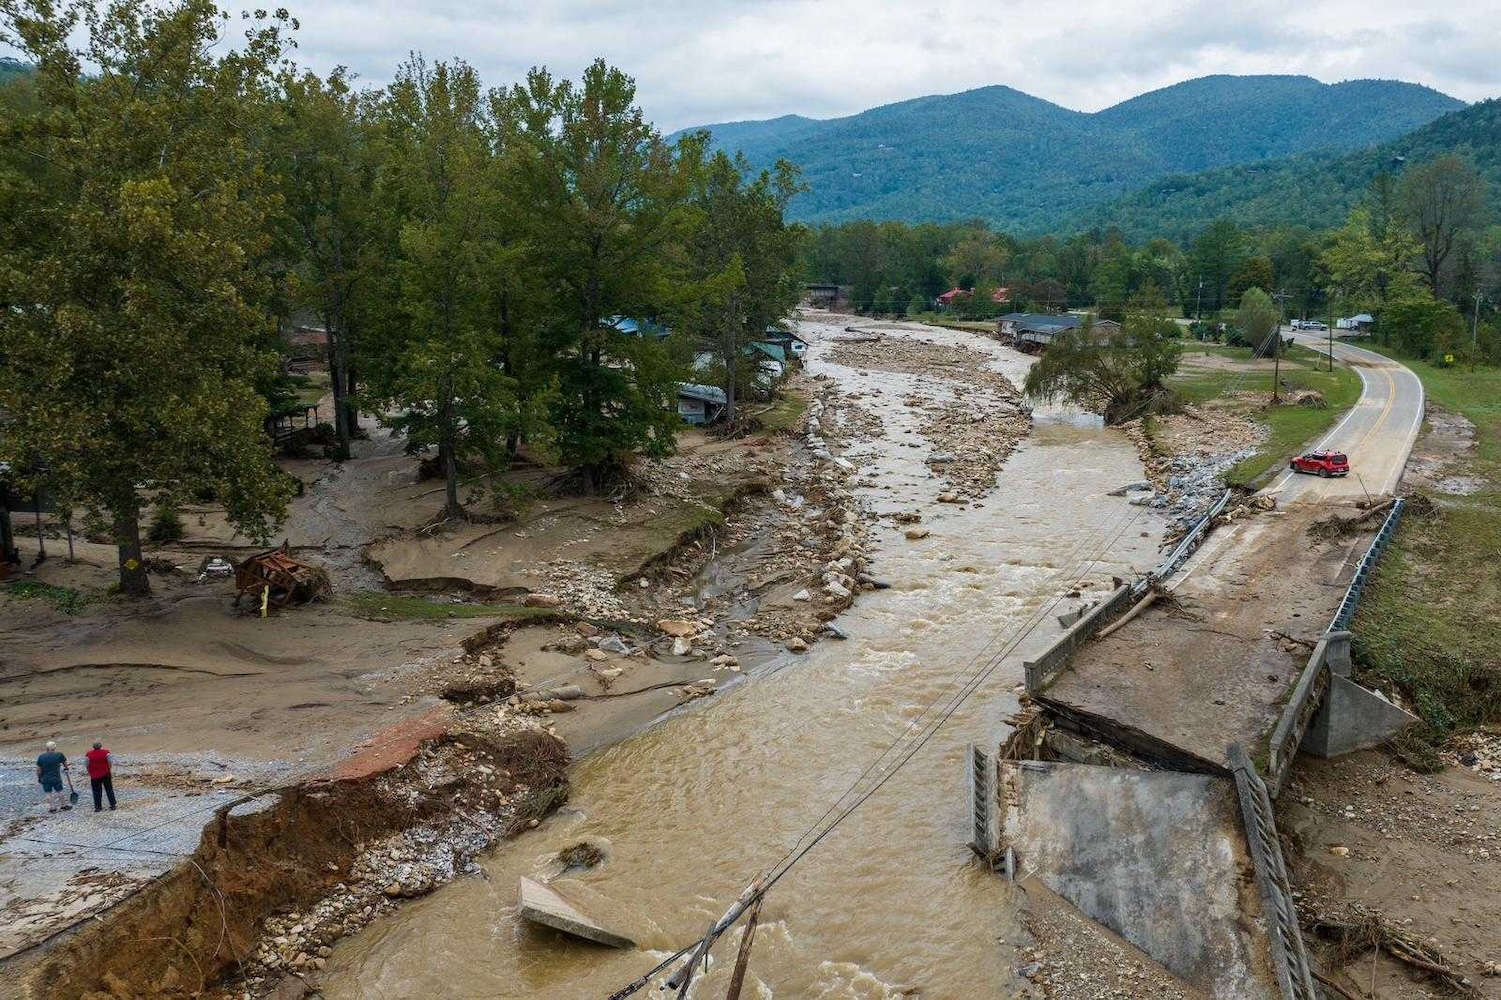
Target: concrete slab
<point>1158,857</point>
<point>1180,686</point>
<point>541,904</point>
<point>1078,953</point>
<point>1352,719</point>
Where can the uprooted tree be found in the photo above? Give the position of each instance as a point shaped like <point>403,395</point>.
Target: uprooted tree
<point>1120,371</point>
<point>133,318</point>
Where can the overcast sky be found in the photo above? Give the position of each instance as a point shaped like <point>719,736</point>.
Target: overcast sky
<point>704,61</point>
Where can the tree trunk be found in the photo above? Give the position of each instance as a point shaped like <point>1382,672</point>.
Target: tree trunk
<point>133,579</point>
<point>352,415</point>
<point>448,460</point>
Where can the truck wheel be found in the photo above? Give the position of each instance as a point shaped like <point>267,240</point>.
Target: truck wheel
<point>1323,473</point>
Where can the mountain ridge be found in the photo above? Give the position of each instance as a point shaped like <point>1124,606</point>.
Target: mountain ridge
<point>1024,163</point>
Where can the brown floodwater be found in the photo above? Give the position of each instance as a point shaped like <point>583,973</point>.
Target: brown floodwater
<point>693,808</point>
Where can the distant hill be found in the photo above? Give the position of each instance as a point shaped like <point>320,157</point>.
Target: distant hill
<point>1025,163</point>
<point>11,68</point>
<point>1316,190</point>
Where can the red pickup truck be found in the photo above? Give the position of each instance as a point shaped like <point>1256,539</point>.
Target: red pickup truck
<point>1323,463</point>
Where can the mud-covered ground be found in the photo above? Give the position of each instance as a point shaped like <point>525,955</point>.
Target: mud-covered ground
<point>583,617</point>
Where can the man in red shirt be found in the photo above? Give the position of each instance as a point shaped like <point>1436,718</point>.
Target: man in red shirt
<point>100,779</point>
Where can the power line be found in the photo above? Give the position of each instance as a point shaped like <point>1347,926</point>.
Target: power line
<point>803,845</point>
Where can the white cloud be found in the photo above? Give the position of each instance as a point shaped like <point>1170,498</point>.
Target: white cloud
<point>701,61</point>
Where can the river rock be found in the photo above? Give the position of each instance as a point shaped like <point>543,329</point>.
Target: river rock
<point>614,644</point>
<point>682,646</point>
<point>542,601</point>
<point>802,595</point>
<point>797,645</point>
<point>948,496</point>
<point>676,627</point>
<point>913,534</point>
<point>836,589</point>
<point>597,655</point>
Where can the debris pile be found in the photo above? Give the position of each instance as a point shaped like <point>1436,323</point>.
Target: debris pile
<point>1187,456</point>
<point>281,579</point>
<point>972,434</point>
<point>488,791</point>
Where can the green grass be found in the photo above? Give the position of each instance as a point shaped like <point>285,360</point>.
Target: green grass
<point>65,599</point>
<point>1291,427</point>
<point>783,413</point>
<point>414,607</point>
<point>1430,621</point>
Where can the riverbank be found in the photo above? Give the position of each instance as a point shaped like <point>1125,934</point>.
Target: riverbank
<point>688,809</point>
<point>592,651</point>
<point>1397,852</point>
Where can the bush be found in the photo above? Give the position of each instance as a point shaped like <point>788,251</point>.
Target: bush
<point>166,525</point>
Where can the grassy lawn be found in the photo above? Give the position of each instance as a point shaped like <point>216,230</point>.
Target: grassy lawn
<point>783,413</point>
<point>1292,427</point>
<point>414,607</point>
<point>1431,620</point>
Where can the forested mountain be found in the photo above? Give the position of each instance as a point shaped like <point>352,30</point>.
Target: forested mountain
<point>1316,190</point>
<point>1024,163</point>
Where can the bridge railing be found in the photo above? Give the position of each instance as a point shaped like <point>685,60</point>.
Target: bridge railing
<point>1313,682</point>
<point>1185,547</point>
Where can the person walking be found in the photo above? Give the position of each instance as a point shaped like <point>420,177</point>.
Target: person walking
<point>100,778</point>
<point>49,773</point>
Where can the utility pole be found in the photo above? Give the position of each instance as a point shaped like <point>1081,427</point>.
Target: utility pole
<point>1281,299</point>
<point>1331,331</point>
<point>1199,305</point>
<point>1475,332</point>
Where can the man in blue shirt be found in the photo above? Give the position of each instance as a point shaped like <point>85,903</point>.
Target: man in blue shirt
<point>49,771</point>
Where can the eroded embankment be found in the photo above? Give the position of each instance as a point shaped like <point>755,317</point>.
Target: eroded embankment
<point>280,876</point>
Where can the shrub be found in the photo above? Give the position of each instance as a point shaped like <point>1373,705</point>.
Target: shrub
<point>166,525</point>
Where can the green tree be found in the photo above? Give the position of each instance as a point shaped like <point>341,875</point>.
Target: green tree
<point>136,210</point>
<point>1440,200</point>
<point>434,358</point>
<point>1260,322</point>
<point>1122,373</point>
<point>744,254</point>
<point>1423,326</point>
<point>1367,264</point>
<point>1216,256</point>
<point>612,208</point>
<point>326,166</point>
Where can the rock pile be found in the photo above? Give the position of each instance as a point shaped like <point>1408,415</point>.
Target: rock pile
<point>482,801</point>
<point>1187,456</point>
<point>973,428</point>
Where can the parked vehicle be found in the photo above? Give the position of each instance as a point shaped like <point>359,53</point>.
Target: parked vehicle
<point>1322,463</point>
<point>1313,324</point>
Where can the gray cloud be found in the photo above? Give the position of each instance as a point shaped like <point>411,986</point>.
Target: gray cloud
<point>703,61</point>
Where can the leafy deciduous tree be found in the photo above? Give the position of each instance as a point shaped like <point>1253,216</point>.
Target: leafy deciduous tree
<point>134,324</point>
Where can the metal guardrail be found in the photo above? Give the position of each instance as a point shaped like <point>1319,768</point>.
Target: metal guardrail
<point>1367,566</point>
<point>1185,547</point>
<point>1312,684</point>
<point>1285,936</point>
<point>982,801</point>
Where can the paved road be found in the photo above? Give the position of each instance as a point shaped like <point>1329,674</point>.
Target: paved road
<point>1377,433</point>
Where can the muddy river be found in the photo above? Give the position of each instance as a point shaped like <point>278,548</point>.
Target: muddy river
<point>892,904</point>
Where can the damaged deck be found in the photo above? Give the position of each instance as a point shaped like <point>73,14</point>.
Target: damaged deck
<point>1214,668</point>
<point>1158,857</point>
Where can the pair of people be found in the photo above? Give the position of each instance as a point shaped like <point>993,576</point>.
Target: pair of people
<point>52,764</point>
